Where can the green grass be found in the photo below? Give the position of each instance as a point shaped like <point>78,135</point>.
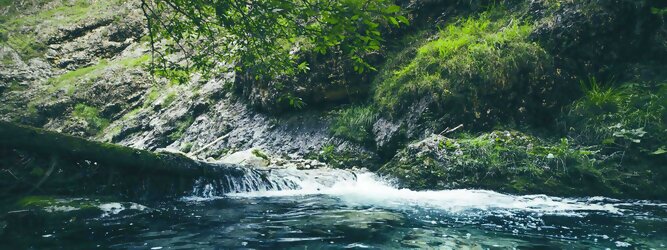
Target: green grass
<point>6,60</point>
<point>468,69</point>
<point>91,115</point>
<point>134,62</point>
<point>631,116</point>
<point>260,154</point>
<point>152,95</point>
<point>354,123</point>
<point>69,80</point>
<point>26,45</point>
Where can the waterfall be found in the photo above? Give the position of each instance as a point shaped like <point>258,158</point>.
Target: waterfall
<point>266,180</point>
<point>362,188</point>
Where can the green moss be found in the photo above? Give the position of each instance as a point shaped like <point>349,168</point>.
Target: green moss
<point>181,126</point>
<point>508,161</point>
<point>260,154</point>
<point>169,99</point>
<point>471,68</point>
<point>76,149</point>
<point>39,201</point>
<point>344,158</point>
<point>152,95</point>
<point>91,115</point>
<point>354,123</point>
<point>45,202</point>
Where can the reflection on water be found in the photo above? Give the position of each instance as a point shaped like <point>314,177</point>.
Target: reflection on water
<point>354,213</point>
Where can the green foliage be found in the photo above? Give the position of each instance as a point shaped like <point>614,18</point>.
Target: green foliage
<point>266,35</point>
<point>629,117</point>
<point>473,67</point>
<point>355,123</point>
<point>186,148</point>
<point>292,101</point>
<point>91,115</point>
<point>658,11</point>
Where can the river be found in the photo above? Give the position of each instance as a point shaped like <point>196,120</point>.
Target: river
<point>338,209</point>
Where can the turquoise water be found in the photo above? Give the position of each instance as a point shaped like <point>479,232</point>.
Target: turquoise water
<point>349,213</point>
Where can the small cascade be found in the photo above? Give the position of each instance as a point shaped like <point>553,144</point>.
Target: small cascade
<point>265,180</point>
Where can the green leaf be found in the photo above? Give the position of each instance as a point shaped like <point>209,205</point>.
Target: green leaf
<point>303,67</point>
<point>331,20</point>
<point>392,9</point>
<point>660,151</point>
<point>403,19</point>
<point>393,21</point>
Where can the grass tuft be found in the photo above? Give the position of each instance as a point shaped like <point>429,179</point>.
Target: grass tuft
<point>355,123</point>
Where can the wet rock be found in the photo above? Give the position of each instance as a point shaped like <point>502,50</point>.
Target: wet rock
<point>514,162</point>
<point>388,136</point>
<point>250,158</point>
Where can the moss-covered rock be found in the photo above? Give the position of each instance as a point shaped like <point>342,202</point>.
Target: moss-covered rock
<point>480,71</point>
<point>346,155</point>
<point>518,163</point>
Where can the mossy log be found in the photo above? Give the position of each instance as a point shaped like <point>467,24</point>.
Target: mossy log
<point>13,136</point>
<point>35,161</point>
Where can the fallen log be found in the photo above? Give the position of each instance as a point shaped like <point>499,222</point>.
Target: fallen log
<point>36,161</point>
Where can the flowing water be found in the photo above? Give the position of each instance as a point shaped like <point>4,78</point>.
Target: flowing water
<point>336,209</point>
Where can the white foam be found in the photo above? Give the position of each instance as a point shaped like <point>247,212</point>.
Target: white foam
<point>52,209</point>
<point>114,208</point>
<point>369,189</point>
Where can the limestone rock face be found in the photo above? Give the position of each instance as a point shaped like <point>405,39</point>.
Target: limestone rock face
<point>93,80</point>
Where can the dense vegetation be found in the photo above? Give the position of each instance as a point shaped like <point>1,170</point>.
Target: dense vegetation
<point>505,95</point>
<point>266,37</point>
